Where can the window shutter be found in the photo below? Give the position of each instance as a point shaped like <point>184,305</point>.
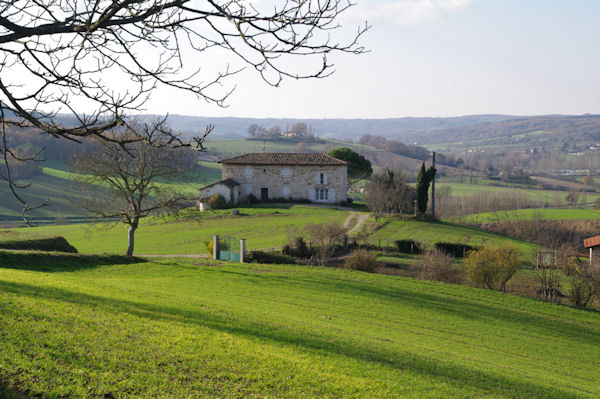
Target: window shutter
<point>318,178</point>
<point>324,178</point>
<point>331,195</point>
<point>311,194</point>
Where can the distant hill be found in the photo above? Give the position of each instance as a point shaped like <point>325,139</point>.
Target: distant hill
<point>531,131</point>
<point>231,127</point>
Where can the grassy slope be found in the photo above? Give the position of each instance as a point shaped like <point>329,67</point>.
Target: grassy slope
<point>176,328</point>
<point>533,214</point>
<point>262,227</point>
<point>56,184</point>
<point>430,233</point>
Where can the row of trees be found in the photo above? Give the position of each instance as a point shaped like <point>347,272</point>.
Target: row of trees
<point>299,130</point>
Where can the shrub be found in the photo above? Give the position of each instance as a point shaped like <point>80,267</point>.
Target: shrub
<point>217,201</point>
<point>297,249</point>
<point>251,199</point>
<point>408,246</point>
<point>549,280</point>
<point>361,260</point>
<point>439,266</point>
<point>456,250</point>
<point>492,267</point>
<point>581,291</point>
<point>209,246</point>
<point>268,257</point>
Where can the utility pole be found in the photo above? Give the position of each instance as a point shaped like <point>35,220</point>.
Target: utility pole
<point>433,189</point>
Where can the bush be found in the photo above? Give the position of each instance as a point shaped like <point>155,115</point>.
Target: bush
<point>581,291</point>
<point>408,246</point>
<point>361,260</point>
<point>456,250</point>
<point>209,246</point>
<point>297,249</point>
<point>251,199</point>
<point>56,244</point>
<point>439,266</point>
<point>267,257</point>
<point>492,267</point>
<point>217,201</point>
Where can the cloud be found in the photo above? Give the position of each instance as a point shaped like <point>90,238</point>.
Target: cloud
<point>407,12</point>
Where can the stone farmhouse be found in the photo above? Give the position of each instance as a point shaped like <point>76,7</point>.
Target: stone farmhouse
<point>288,176</point>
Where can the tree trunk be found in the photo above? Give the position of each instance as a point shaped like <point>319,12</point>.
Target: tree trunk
<point>132,228</point>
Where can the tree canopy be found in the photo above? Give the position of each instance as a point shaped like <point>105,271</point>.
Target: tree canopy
<point>358,166</point>
<point>423,181</point>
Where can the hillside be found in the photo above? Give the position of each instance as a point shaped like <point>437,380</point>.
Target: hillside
<point>100,327</point>
<point>517,132</point>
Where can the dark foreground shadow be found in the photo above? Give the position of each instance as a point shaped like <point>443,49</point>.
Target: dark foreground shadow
<point>60,262</point>
<point>459,376</point>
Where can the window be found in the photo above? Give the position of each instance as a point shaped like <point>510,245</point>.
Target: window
<point>322,178</point>
<point>248,171</point>
<point>286,173</point>
<point>286,191</point>
<point>248,190</point>
<point>322,195</point>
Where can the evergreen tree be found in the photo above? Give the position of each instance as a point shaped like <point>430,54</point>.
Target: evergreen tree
<point>423,181</point>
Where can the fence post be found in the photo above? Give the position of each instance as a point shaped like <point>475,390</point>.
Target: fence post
<point>216,247</point>
<point>243,250</point>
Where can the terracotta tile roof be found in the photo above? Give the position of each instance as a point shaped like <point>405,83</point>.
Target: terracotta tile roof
<point>230,183</point>
<point>283,158</point>
<point>591,242</point>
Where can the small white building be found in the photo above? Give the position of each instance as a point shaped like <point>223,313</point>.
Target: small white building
<point>287,176</point>
<point>228,188</point>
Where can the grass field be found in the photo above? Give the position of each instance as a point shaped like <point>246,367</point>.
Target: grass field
<point>261,226</point>
<point>546,196</point>
<point>92,326</point>
<point>532,214</point>
<point>56,184</point>
<point>431,232</point>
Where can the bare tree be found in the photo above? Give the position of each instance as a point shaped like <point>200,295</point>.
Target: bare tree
<point>325,236</point>
<point>388,193</point>
<point>127,181</point>
<point>74,56</point>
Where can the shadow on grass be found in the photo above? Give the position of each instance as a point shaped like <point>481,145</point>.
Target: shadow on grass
<point>317,342</point>
<point>59,262</point>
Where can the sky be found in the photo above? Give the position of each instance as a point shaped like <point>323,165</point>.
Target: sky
<point>436,58</point>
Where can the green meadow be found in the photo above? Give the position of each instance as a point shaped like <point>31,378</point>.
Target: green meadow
<point>94,326</point>
<point>532,214</point>
<point>431,232</point>
<point>261,226</point>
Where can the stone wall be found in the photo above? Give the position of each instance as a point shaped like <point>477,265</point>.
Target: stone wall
<point>291,182</point>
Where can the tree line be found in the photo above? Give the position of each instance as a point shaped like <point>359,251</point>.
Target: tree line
<point>299,130</point>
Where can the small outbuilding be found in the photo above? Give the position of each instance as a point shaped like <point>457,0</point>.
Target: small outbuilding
<point>228,188</point>
<point>593,243</point>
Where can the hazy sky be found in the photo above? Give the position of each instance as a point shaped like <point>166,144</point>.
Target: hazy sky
<point>439,58</point>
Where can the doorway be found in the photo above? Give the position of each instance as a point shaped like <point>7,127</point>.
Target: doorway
<point>264,194</point>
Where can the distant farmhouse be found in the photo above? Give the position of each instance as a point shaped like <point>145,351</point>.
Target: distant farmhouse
<point>286,176</point>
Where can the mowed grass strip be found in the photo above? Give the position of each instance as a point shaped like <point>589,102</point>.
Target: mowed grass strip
<point>429,233</point>
<point>182,328</point>
<point>262,227</point>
